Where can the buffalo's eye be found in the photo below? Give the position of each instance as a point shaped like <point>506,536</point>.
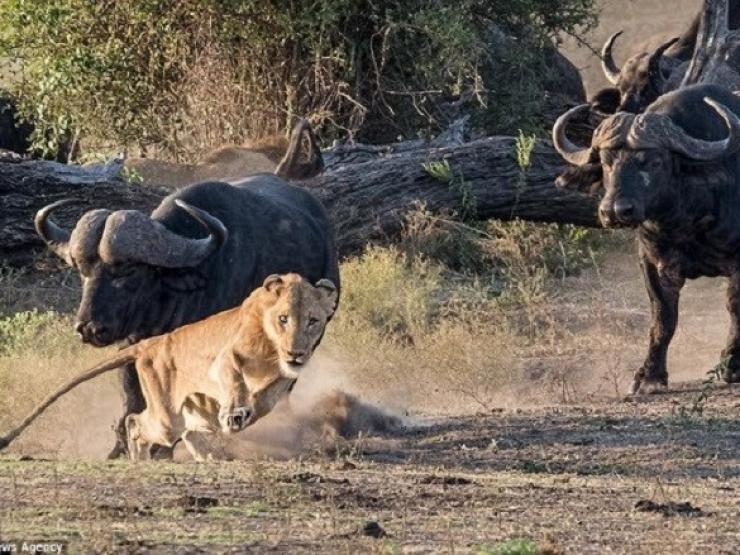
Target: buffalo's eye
<point>283,319</point>
<point>312,322</point>
<point>119,282</point>
<point>654,163</point>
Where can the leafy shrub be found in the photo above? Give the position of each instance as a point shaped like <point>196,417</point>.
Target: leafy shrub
<point>392,292</point>
<point>32,330</point>
<point>454,244</point>
<point>519,546</point>
<point>179,74</point>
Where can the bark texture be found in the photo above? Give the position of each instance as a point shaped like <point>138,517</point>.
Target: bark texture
<point>366,199</point>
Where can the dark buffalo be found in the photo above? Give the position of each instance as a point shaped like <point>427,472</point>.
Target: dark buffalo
<point>203,250</point>
<point>642,79</point>
<point>651,73</point>
<point>16,134</point>
<point>672,173</point>
<point>645,77</point>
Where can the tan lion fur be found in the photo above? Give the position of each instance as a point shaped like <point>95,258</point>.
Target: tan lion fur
<point>247,358</point>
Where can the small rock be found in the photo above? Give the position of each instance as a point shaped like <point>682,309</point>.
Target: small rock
<point>373,530</point>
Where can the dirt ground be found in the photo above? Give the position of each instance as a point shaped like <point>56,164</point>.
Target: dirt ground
<point>559,458</point>
<point>660,475</point>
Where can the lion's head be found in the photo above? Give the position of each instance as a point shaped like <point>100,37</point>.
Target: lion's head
<point>296,318</point>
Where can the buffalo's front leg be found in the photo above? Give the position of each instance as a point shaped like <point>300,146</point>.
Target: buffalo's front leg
<point>731,353</point>
<point>133,403</point>
<point>664,289</point>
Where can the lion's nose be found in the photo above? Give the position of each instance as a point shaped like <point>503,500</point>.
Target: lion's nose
<point>297,356</point>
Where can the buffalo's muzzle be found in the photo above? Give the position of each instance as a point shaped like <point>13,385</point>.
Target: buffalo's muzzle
<point>621,213</point>
<point>95,334</point>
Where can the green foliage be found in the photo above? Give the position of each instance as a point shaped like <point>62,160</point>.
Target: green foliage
<point>456,245</point>
<point>529,253</point>
<point>441,171</point>
<point>184,75</point>
<point>392,292</point>
<point>132,175</point>
<point>524,146</point>
<point>519,546</point>
<point>31,330</point>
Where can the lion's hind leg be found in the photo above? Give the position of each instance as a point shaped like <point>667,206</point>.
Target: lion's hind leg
<point>139,449</point>
<point>148,438</point>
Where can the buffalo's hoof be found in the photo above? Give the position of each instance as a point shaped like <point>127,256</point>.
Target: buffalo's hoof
<point>647,386</point>
<point>235,420</point>
<point>118,452</point>
<point>729,375</point>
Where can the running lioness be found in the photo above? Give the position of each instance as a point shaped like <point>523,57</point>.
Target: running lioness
<point>247,358</point>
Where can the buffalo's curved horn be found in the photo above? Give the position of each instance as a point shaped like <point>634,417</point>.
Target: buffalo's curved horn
<point>216,229</point>
<point>699,149</point>
<point>611,71</point>
<point>657,81</point>
<point>572,153</point>
<point>55,237</point>
<point>132,236</point>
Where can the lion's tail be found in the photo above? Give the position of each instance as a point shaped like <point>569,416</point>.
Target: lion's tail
<point>126,355</point>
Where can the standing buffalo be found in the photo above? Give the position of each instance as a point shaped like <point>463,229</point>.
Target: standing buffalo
<point>16,134</point>
<point>649,74</point>
<point>672,173</point>
<point>203,250</point>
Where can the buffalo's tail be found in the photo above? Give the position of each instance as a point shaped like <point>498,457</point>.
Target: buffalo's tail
<point>293,166</point>
<point>126,355</point>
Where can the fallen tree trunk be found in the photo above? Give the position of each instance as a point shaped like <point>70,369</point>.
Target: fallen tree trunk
<point>27,186</point>
<point>367,201</point>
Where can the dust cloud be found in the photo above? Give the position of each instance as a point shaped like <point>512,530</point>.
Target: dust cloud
<point>319,415</point>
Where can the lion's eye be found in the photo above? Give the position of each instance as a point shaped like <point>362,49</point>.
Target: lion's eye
<point>283,319</point>
<point>312,321</point>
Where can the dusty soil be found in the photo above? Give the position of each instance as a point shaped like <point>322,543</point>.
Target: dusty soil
<point>654,476</point>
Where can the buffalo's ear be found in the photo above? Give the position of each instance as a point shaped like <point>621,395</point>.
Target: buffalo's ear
<point>273,283</point>
<point>585,179</point>
<point>606,101</point>
<point>329,291</point>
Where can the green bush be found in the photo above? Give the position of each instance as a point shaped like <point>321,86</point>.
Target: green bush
<point>393,293</point>
<point>32,330</point>
<point>182,75</point>
<point>519,546</point>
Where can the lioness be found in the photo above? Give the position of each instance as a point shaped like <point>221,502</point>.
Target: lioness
<point>246,358</point>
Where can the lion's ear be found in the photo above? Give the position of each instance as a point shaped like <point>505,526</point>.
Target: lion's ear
<point>273,282</point>
<point>328,290</point>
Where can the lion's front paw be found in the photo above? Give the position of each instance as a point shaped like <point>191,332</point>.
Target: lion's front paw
<point>234,419</point>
